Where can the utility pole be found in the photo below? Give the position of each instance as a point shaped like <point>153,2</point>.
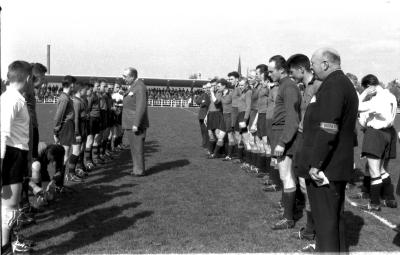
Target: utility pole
<point>0,47</point>
<point>48,59</point>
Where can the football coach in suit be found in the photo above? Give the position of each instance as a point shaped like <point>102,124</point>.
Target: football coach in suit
<point>327,150</point>
<point>135,120</point>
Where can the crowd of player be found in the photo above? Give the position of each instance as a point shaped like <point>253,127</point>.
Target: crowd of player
<point>258,122</point>
<point>87,133</point>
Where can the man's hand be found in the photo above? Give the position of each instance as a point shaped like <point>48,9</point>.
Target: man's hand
<point>134,128</point>
<point>278,152</point>
<point>56,139</point>
<point>314,174</point>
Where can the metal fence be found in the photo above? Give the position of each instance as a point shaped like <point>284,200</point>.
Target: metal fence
<point>150,102</point>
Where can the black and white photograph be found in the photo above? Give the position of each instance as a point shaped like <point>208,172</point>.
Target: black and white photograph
<point>198,127</point>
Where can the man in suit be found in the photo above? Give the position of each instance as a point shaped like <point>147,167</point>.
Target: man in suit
<point>203,100</point>
<point>328,152</point>
<point>135,120</point>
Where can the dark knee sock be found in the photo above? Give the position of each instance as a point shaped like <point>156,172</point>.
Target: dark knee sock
<point>253,158</point>
<point>211,146</point>
<point>96,151</point>
<point>261,159</point>
<point>80,159</point>
<point>241,153</point>
<point>387,187</point>
<point>246,156</point>
<point>72,161</point>
<point>367,183</point>
<point>25,193</point>
<point>376,187</point>
<point>217,148</point>
<point>288,199</point>
<point>274,176</point>
<point>230,150</point>
<point>267,164</point>
<point>103,147</point>
<point>300,198</point>
<point>108,145</point>
<point>310,223</point>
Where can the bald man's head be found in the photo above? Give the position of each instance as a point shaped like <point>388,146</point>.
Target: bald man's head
<point>130,74</point>
<point>324,61</point>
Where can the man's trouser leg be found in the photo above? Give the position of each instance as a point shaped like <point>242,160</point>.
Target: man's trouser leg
<point>136,142</point>
<point>327,207</point>
<point>204,133</point>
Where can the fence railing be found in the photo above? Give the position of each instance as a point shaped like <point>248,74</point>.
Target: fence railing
<point>150,102</point>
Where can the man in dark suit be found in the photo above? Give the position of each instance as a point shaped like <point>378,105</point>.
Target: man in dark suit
<point>327,152</point>
<point>135,120</point>
<point>203,100</point>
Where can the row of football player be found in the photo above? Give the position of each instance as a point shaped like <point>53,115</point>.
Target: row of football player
<point>87,122</point>
<point>259,119</point>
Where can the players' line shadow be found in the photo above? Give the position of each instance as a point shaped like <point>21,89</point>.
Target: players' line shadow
<point>353,226</point>
<point>91,227</point>
<point>165,166</point>
<point>89,197</point>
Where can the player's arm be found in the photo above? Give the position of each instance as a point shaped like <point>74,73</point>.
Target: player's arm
<point>58,118</point>
<point>8,112</point>
<point>329,114</point>
<point>248,104</point>
<point>77,116</point>
<point>213,96</point>
<point>90,103</point>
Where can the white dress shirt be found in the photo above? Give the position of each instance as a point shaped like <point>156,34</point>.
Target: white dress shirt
<point>14,120</point>
<point>380,111</point>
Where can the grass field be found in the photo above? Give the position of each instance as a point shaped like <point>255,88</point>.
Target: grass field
<point>187,204</point>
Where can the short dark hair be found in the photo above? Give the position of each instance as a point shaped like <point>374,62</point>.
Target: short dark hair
<point>214,80</point>
<point>280,62</point>
<point>263,69</point>
<point>224,82</point>
<point>18,71</point>
<point>79,86</point>
<point>299,60</point>
<point>38,68</point>
<point>234,74</point>
<point>55,153</point>
<point>369,80</point>
<point>67,81</point>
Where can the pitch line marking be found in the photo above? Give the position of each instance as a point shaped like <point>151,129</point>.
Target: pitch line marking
<point>380,218</point>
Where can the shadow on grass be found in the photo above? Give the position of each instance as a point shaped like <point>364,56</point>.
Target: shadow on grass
<point>91,227</point>
<point>151,147</point>
<point>353,226</point>
<point>165,166</point>
<point>83,200</point>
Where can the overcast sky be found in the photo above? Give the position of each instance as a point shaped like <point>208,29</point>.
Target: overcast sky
<point>173,39</point>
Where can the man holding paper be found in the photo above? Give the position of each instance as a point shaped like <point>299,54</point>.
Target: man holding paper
<point>327,158</point>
